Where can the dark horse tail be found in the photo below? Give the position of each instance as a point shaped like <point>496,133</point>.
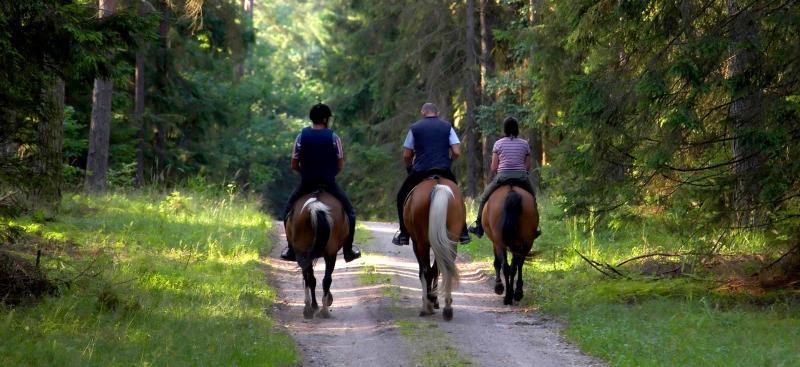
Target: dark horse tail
<point>512,213</point>
<point>321,222</point>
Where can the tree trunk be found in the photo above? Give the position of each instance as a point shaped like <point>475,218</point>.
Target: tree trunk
<point>138,116</point>
<point>162,82</point>
<point>471,133</point>
<point>487,71</point>
<point>746,112</point>
<point>100,128</point>
<point>535,133</point>
<point>48,164</point>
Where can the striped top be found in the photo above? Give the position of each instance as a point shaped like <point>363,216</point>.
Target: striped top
<point>512,153</point>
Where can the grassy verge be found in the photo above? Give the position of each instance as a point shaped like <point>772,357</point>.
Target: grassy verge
<point>155,280</point>
<point>433,345</point>
<point>686,321</point>
<point>363,235</point>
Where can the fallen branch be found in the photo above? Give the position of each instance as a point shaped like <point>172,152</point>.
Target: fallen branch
<point>649,255</point>
<point>795,248</point>
<point>613,272</point>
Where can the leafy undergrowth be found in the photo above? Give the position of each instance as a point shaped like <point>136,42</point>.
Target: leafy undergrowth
<point>148,279</point>
<point>698,319</point>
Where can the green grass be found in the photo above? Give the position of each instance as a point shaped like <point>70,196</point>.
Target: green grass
<point>172,280</point>
<point>432,345</point>
<point>363,235</point>
<point>370,276</point>
<point>686,321</point>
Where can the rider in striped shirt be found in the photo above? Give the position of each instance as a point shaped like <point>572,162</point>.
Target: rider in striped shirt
<point>511,161</point>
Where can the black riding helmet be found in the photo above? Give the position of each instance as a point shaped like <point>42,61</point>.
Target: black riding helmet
<point>319,113</point>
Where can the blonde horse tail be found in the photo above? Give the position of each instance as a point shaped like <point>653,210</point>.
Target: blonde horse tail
<point>444,249</point>
<point>321,224</point>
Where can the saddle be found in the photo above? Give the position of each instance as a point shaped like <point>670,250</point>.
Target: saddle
<point>431,177</point>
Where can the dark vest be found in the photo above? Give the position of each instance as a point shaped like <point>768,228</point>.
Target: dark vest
<point>319,161</point>
<point>431,144</point>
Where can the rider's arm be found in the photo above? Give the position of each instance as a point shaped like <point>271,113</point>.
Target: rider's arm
<point>495,162</point>
<point>455,151</point>
<point>296,154</point>
<point>339,153</point>
<point>528,163</point>
<point>408,156</point>
<point>408,150</point>
<point>455,144</point>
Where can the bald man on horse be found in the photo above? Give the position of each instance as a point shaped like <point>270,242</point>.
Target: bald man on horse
<point>428,150</point>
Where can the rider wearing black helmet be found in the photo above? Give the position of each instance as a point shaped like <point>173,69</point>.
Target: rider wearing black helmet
<point>318,156</point>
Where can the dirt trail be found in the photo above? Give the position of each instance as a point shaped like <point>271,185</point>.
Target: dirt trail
<point>374,316</point>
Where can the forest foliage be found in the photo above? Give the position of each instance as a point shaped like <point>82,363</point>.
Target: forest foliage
<point>684,108</point>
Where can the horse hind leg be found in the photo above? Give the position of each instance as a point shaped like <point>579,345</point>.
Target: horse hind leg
<point>327,297</point>
<point>309,283</point>
<point>519,261</point>
<point>498,283</point>
<point>447,312</point>
<point>427,305</point>
<point>509,278</point>
<point>433,289</point>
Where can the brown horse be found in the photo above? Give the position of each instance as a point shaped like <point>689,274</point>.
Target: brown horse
<point>317,227</point>
<point>434,214</point>
<point>510,219</point>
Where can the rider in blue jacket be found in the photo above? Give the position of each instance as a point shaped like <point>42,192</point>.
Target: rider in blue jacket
<point>318,156</point>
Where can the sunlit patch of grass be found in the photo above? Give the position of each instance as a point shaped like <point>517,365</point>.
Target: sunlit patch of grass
<point>371,276</point>
<point>430,345</point>
<point>173,279</point>
<point>363,234</point>
<point>642,322</point>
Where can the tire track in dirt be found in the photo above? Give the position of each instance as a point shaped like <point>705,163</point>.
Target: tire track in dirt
<point>374,316</point>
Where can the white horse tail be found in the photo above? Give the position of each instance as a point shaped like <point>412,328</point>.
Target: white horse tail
<point>321,223</point>
<point>444,249</point>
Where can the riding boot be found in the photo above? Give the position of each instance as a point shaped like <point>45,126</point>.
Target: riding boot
<point>288,254</point>
<point>477,228</point>
<point>464,238</point>
<point>349,251</point>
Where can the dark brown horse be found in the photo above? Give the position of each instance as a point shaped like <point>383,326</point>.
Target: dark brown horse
<point>317,227</point>
<point>434,214</point>
<point>510,219</point>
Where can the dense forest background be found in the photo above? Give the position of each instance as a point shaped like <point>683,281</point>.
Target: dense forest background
<point>683,108</point>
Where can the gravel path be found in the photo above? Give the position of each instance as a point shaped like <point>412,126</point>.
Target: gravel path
<point>374,316</point>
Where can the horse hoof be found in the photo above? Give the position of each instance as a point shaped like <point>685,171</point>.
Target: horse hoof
<point>328,299</point>
<point>447,313</point>
<point>314,306</point>
<point>308,313</point>
<point>518,295</point>
<point>498,288</point>
<point>436,305</point>
<point>424,313</point>
<point>324,313</point>
<point>508,301</point>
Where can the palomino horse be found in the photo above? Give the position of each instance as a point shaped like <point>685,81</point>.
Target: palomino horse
<point>317,227</point>
<point>434,214</point>
<point>510,219</point>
